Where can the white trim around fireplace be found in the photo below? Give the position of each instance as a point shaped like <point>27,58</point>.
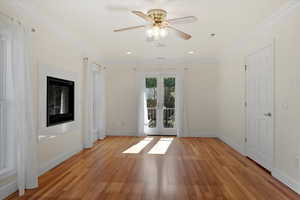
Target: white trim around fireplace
<point>44,131</point>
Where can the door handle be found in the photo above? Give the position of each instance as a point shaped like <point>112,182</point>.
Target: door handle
<point>268,114</point>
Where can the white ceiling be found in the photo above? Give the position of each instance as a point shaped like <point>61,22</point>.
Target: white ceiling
<point>95,20</point>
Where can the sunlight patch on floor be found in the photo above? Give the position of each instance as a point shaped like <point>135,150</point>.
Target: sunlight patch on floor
<point>161,146</point>
<point>137,148</point>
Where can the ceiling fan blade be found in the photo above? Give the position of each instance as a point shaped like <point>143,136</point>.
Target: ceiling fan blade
<point>181,34</point>
<point>182,20</point>
<point>129,28</point>
<point>143,15</point>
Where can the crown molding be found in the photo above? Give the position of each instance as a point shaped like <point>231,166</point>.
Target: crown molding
<point>282,12</point>
<point>32,16</point>
<point>266,25</point>
<point>157,63</point>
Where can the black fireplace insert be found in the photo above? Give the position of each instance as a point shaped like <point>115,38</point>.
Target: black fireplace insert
<point>60,101</point>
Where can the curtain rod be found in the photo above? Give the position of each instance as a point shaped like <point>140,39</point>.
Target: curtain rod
<point>15,20</point>
<point>99,65</point>
<point>86,60</point>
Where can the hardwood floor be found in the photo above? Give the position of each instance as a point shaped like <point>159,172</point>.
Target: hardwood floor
<point>191,169</point>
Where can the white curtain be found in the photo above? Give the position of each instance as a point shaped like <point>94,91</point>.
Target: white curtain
<point>102,103</point>
<point>181,107</point>
<point>88,136</point>
<point>99,103</point>
<point>142,118</point>
<point>94,106</point>
<point>21,122</point>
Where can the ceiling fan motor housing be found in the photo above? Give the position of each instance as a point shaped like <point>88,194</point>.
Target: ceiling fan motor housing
<point>158,15</point>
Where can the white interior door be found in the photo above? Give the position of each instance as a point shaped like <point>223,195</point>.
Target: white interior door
<point>160,93</point>
<point>260,115</point>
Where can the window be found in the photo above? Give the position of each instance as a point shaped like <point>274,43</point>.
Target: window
<point>3,140</point>
<point>2,137</point>
<point>151,96</point>
<point>169,102</point>
<point>6,140</point>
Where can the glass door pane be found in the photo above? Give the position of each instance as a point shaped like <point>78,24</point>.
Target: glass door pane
<point>169,102</point>
<point>151,97</point>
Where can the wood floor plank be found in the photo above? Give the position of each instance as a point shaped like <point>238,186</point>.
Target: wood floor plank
<point>191,169</point>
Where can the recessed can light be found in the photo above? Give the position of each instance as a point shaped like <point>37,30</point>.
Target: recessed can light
<point>128,52</point>
<point>191,52</point>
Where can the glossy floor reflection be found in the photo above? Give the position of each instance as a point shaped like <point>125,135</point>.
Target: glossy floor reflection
<point>137,148</point>
<point>182,169</point>
<point>161,146</point>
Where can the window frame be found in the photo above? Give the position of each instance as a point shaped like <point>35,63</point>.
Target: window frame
<point>3,138</point>
<point>7,162</point>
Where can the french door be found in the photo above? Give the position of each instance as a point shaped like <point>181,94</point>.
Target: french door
<point>260,98</point>
<point>160,108</point>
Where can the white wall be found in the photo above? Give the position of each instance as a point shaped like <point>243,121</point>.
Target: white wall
<point>201,97</point>
<point>121,100</point>
<point>285,31</point>
<point>52,51</point>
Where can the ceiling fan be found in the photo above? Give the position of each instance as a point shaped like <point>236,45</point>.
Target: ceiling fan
<point>158,24</point>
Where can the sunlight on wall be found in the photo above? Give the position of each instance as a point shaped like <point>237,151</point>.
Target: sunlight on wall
<point>161,146</point>
<point>137,148</point>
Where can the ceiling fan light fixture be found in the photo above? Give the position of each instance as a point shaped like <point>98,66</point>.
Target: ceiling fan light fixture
<point>156,32</point>
<point>163,32</point>
<point>149,32</point>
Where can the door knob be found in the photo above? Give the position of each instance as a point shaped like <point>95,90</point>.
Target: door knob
<point>268,114</point>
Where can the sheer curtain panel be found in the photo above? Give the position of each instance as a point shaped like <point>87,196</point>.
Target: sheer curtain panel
<point>20,123</point>
<point>142,115</point>
<point>88,135</point>
<point>102,104</point>
<point>181,107</point>
<point>94,108</point>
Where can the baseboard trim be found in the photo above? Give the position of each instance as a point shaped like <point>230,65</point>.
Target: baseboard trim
<point>8,189</point>
<point>134,133</point>
<point>202,134</point>
<point>239,148</point>
<point>12,187</point>
<point>287,180</point>
<point>121,133</point>
<point>59,159</point>
<point>276,173</point>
